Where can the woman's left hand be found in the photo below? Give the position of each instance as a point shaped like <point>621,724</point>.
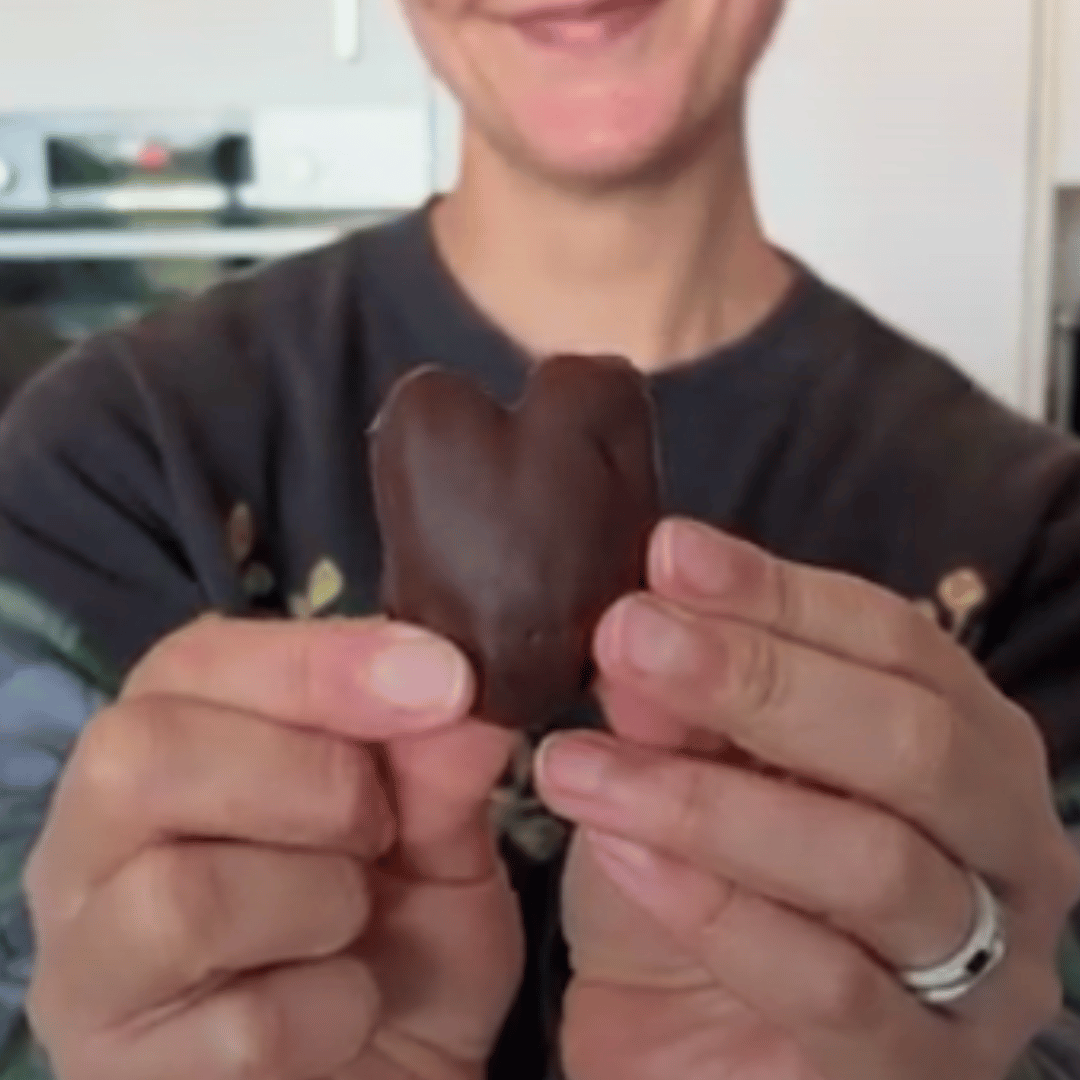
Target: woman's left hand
<point>801,771</point>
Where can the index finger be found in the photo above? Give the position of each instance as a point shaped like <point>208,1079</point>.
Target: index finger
<point>717,574</point>
<point>369,678</point>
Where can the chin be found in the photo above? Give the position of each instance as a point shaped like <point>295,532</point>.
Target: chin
<point>627,141</point>
<point>592,166</point>
<point>596,158</point>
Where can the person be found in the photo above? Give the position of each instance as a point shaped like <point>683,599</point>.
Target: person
<point>815,836</point>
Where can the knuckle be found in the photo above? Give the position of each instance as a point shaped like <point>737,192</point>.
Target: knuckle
<point>693,804</point>
<point>760,675</point>
<point>887,873</point>
<point>849,995</point>
<point>788,592</point>
<point>344,777</point>
<point>1029,744</point>
<point>346,884</point>
<point>1026,750</point>
<point>905,633</point>
<point>187,651</point>
<point>118,752</point>
<point>177,909</point>
<point>924,749</point>
<point>252,1035</point>
<point>363,989</point>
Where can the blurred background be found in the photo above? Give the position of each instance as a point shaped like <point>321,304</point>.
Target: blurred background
<point>923,155</point>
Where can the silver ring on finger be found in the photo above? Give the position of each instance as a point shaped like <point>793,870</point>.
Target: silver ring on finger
<point>983,950</point>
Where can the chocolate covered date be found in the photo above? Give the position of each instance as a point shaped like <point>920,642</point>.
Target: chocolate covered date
<point>510,531</point>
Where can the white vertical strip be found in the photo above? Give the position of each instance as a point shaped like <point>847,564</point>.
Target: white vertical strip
<point>1038,323</point>
<point>346,23</point>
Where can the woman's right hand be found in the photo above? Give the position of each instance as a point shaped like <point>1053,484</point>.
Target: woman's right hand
<point>271,858</point>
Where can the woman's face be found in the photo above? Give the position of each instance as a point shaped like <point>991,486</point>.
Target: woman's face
<point>593,91</point>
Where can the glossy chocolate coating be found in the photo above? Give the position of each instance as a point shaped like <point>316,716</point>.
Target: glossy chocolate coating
<point>511,531</point>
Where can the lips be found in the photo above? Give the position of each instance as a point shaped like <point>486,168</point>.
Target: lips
<point>583,10</point>
<point>582,25</point>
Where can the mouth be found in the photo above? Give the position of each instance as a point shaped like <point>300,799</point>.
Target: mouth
<point>583,26</point>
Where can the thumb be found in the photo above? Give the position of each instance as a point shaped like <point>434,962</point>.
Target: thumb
<point>442,785</point>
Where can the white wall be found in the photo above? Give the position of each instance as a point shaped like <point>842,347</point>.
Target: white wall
<point>891,149</point>
<point>198,54</point>
<point>890,139</point>
<point>1067,163</point>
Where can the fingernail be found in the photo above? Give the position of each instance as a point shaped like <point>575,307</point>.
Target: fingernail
<point>695,554</point>
<point>417,672</point>
<point>653,641</point>
<point>570,763</point>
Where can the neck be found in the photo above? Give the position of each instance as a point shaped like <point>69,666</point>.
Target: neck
<point>659,273</point>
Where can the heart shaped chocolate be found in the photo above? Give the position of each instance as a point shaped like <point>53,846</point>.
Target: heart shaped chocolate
<point>510,531</point>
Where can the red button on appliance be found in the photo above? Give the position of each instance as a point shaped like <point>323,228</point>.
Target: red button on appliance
<point>153,158</point>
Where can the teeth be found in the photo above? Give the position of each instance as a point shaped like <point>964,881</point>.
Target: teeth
<point>578,32</point>
<point>586,25</point>
<point>582,13</point>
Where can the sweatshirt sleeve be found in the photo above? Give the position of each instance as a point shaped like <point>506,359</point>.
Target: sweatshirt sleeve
<point>94,568</point>
<point>47,695</point>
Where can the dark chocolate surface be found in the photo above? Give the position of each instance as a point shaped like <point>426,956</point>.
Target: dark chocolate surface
<point>511,531</point>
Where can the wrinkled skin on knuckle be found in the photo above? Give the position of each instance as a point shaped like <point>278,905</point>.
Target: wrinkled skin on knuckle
<point>906,636</point>
<point>883,861</point>
<point>786,586</point>
<point>923,755</point>
<point>369,995</point>
<point>689,799</point>
<point>345,780</point>
<point>178,909</point>
<point>120,755</point>
<point>760,679</point>
<point>350,886</point>
<point>252,1035</point>
<point>1027,745</point>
